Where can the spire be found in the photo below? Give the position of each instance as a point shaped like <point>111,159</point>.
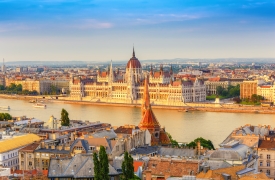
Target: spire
<point>149,120</point>
<point>151,70</point>
<point>171,70</point>
<point>111,75</point>
<point>146,97</point>
<point>134,55</point>
<point>161,69</point>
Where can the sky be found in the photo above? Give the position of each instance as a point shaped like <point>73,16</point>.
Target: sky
<point>101,30</point>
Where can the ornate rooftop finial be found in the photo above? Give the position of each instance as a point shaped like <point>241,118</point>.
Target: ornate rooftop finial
<point>134,55</point>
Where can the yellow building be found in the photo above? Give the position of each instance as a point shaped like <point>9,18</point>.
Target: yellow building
<point>9,155</point>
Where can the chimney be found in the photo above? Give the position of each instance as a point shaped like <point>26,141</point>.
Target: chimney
<point>43,144</point>
<point>199,148</point>
<point>226,176</point>
<point>166,175</point>
<point>148,174</point>
<point>206,168</point>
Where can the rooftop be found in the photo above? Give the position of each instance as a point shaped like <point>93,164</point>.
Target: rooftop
<point>17,142</point>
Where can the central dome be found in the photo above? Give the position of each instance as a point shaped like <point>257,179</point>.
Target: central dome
<point>133,62</point>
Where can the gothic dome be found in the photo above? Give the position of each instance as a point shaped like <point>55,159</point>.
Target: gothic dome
<point>133,62</point>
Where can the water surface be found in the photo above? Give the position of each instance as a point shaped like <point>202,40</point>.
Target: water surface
<point>183,126</point>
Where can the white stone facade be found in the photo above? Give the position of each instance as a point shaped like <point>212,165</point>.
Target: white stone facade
<point>129,88</point>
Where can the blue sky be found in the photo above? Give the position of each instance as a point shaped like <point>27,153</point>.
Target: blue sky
<point>100,30</point>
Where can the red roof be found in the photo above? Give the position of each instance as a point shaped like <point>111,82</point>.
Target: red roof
<point>214,79</point>
<point>137,164</point>
<point>265,86</point>
<point>30,172</point>
<point>134,63</point>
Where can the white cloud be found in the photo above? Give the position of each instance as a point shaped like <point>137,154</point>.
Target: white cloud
<point>92,24</point>
<point>6,27</point>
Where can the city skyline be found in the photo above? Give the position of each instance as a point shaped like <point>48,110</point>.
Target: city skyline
<point>48,30</point>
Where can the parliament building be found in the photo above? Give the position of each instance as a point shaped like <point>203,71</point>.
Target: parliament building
<point>116,87</point>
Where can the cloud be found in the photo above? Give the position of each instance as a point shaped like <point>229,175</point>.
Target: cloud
<point>91,24</point>
<point>164,18</point>
<point>7,27</point>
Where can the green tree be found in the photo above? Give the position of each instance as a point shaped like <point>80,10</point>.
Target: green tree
<point>205,143</point>
<point>101,165</point>
<point>2,87</point>
<point>173,141</point>
<point>128,167</point>
<point>65,121</point>
<point>219,90</point>
<point>5,116</point>
<point>18,87</point>
<point>53,90</point>
<point>96,167</point>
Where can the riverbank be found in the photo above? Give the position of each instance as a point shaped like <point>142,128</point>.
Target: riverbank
<point>189,107</point>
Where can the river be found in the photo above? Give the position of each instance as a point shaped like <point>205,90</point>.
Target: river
<point>183,126</point>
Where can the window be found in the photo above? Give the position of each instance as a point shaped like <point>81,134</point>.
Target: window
<point>30,163</point>
<point>268,156</point>
<point>268,164</point>
<point>261,163</point>
<point>268,172</point>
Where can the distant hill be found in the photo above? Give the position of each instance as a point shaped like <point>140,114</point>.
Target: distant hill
<point>164,61</point>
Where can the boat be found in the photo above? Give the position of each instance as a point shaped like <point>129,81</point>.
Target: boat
<point>32,101</point>
<point>182,110</point>
<point>5,108</point>
<point>39,105</point>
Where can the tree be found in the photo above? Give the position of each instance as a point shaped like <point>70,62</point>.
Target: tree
<point>173,142</point>
<point>205,143</point>
<point>18,87</point>
<point>96,167</point>
<point>53,90</point>
<point>101,165</point>
<point>236,99</point>
<point>5,116</point>
<point>2,87</point>
<point>128,167</point>
<point>219,90</point>
<point>65,121</point>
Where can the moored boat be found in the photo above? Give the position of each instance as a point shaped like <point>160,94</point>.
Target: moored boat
<point>32,101</point>
<point>40,105</point>
<point>5,108</point>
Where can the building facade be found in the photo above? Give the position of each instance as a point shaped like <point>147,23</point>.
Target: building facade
<point>266,152</point>
<point>9,149</point>
<point>267,91</point>
<point>248,88</point>
<point>112,86</point>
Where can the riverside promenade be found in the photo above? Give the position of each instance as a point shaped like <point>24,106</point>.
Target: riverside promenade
<point>206,106</point>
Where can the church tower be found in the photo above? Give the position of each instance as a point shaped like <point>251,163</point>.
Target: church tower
<point>149,120</point>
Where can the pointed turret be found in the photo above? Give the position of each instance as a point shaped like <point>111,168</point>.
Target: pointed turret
<point>149,120</point>
<point>151,70</point>
<point>146,97</point>
<point>111,72</point>
<point>171,70</point>
<point>161,69</point>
